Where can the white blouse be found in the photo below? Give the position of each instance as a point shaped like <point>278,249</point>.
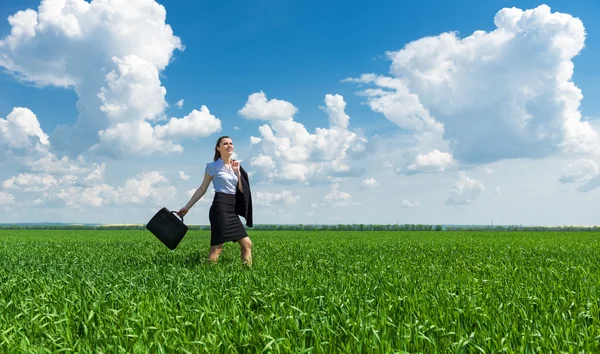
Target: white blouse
<point>224,177</point>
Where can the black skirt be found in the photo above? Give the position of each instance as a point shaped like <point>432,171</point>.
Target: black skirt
<point>225,224</point>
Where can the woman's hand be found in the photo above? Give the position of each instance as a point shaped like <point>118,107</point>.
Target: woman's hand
<point>236,167</point>
<point>183,211</point>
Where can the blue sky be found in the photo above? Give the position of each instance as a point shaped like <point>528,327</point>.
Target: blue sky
<point>299,53</point>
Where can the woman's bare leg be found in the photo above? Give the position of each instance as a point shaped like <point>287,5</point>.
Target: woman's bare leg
<point>246,250</point>
<point>215,251</point>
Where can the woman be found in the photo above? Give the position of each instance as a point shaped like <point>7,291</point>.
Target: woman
<point>232,198</point>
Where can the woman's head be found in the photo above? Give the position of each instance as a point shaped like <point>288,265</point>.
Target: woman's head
<point>224,147</point>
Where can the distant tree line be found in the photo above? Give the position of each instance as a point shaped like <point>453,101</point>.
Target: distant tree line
<point>326,227</point>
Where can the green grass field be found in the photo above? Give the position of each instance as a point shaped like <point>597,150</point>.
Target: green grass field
<point>320,292</point>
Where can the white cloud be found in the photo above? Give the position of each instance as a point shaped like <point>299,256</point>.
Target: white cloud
<point>179,104</point>
<point>94,196</point>
<point>30,182</point>
<point>147,187</point>
<point>296,155</point>
<point>398,151</point>
<point>44,161</point>
<point>23,25</point>
<point>579,171</point>
<point>335,107</point>
<point>196,124</point>
<point>111,53</point>
<point>275,198</point>
<point>337,198</point>
<point>28,150</point>
<point>137,138</point>
<point>337,180</point>
<point>292,172</point>
<point>368,183</point>
<point>6,198</point>
<point>76,183</point>
<point>583,170</point>
<point>133,92</point>
<point>254,140</point>
<point>409,204</point>
<point>590,184</point>
<point>148,184</point>
<point>494,95</point>
<point>465,190</point>
<point>398,104</point>
<point>434,161</point>
<point>96,174</point>
<point>19,127</point>
<point>183,176</point>
<point>263,162</point>
<point>257,107</point>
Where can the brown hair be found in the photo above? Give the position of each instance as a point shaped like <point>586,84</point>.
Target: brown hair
<point>217,153</point>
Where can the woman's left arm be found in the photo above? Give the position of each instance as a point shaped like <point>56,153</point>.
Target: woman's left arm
<point>238,170</point>
<point>240,182</point>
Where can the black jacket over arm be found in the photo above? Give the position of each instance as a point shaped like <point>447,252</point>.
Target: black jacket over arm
<point>243,200</point>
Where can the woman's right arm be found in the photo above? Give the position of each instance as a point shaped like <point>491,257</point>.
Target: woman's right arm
<point>197,195</point>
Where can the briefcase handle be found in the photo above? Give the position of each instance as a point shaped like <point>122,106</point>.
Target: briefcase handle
<point>179,216</point>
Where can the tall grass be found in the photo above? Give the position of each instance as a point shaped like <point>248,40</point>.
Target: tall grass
<point>320,292</point>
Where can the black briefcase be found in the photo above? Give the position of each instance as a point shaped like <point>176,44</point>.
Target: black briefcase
<point>167,227</point>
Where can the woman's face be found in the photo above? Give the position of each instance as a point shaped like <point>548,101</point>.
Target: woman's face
<point>226,147</point>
